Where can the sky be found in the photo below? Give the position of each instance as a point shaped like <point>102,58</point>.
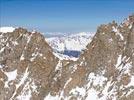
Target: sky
<point>63,15</point>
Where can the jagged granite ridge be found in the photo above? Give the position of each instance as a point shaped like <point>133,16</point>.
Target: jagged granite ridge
<point>104,71</point>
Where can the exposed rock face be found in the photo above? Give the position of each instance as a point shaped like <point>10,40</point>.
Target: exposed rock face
<point>111,57</point>
<point>104,71</point>
<point>27,65</point>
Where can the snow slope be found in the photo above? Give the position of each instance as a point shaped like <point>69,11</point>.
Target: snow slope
<point>76,42</point>
<point>6,29</point>
<point>70,45</point>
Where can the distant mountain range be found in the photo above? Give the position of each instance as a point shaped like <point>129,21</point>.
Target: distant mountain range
<point>70,45</point>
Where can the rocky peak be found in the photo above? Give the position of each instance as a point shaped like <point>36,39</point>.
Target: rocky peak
<point>108,62</point>
<point>105,69</point>
<point>29,59</point>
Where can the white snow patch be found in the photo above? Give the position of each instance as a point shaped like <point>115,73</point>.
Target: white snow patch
<point>11,76</point>
<point>114,29</point>
<point>27,91</point>
<point>15,43</point>
<point>26,95</point>
<point>34,55</point>
<point>120,64</point>
<point>29,38</point>
<point>117,32</point>
<point>74,68</point>
<point>59,66</point>
<point>6,29</point>
<point>25,76</point>
<point>22,57</point>
<point>129,92</point>
<point>96,80</point>
<point>121,36</point>
<point>49,97</point>
<point>127,68</point>
<point>1,66</point>
<point>78,91</point>
<point>44,57</point>
<point>131,82</point>
<point>130,26</point>
<point>23,79</point>
<point>109,94</point>
<point>119,60</point>
<point>103,33</point>
<point>33,31</point>
<point>92,95</point>
<point>34,87</point>
<point>2,49</point>
<point>64,57</point>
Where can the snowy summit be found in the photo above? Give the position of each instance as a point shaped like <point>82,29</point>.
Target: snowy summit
<point>6,29</point>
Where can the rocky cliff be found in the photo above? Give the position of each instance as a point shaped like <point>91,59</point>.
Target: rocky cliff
<point>104,71</point>
<point>26,65</point>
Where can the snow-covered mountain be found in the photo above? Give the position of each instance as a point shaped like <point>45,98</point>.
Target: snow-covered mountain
<point>30,70</point>
<point>76,42</point>
<point>70,45</point>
